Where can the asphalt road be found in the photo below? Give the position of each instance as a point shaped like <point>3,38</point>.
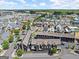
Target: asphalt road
<point>39,58</point>
<point>65,54</point>
<point>68,56</point>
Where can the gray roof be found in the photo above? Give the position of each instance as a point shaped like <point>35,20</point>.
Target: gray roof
<point>46,41</point>
<point>26,39</point>
<point>68,35</point>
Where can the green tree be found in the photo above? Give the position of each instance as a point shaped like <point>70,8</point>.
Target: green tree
<point>24,27</point>
<point>16,31</point>
<point>57,13</point>
<point>5,44</point>
<point>54,50</point>
<point>28,24</point>
<point>19,52</point>
<point>33,34</point>
<point>10,38</point>
<point>32,12</point>
<point>69,13</point>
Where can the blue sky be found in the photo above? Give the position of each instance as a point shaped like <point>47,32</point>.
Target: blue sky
<point>39,4</point>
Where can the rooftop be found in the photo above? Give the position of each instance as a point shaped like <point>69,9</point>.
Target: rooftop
<point>68,35</point>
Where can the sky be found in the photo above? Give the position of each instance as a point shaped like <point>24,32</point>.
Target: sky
<point>39,4</point>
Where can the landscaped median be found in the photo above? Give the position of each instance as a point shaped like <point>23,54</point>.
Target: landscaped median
<point>4,47</point>
<point>18,53</point>
<point>2,52</point>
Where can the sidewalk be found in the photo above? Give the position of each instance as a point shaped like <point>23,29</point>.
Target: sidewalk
<point>10,50</point>
<point>35,55</point>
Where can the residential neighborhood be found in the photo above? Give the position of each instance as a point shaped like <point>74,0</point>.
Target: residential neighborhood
<point>28,34</point>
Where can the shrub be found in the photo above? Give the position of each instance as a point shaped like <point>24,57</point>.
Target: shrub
<point>28,24</point>
<point>10,38</point>
<point>5,44</point>
<point>19,52</point>
<point>16,58</point>
<point>53,50</point>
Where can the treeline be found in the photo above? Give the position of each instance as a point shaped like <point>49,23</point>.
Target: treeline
<point>56,11</point>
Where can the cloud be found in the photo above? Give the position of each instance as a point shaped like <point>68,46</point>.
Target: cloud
<point>42,4</point>
<point>7,5</point>
<point>57,2</point>
<point>3,2</point>
<point>64,4</point>
<point>34,5</point>
<point>22,1</point>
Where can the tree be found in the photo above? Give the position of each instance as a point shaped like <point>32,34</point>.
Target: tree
<point>32,12</point>
<point>33,35</point>
<point>12,31</point>
<point>54,50</point>
<point>69,13</point>
<point>10,38</point>
<point>24,27</point>
<point>28,24</point>
<point>57,13</point>
<point>16,31</point>
<point>19,52</point>
<point>5,44</point>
